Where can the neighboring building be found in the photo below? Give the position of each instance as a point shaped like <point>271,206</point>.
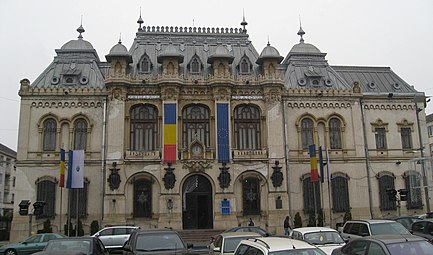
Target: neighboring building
<point>429,121</point>
<point>7,183</point>
<point>192,128</point>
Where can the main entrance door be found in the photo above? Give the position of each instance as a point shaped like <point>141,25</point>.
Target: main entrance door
<point>197,200</point>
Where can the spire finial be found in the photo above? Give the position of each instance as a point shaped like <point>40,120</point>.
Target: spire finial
<point>140,21</point>
<point>120,38</point>
<point>244,23</point>
<point>81,29</point>
<point>268,41</point>
<point>301,32</point>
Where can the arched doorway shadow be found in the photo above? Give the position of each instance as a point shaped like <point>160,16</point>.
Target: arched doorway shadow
<point>197,212</point>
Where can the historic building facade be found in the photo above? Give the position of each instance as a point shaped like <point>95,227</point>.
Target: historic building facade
<point>192,128</point>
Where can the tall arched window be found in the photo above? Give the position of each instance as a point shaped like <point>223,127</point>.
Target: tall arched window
<point>49,134</point>
<point>251,196</point>
<point>46,191</point>
<point>412,183</point>
<point>144,66</point>
<point>142,198</point>
<point>386,181</point>
<point>335,133</point>
<point>82,201</point>
<point>311,194</point>
<point>340,194</point>
<point>80,134</point>
<point>143,132</point>
<point>247,132</point>
<point>244,66</point>
<point>307,131</point>
<point>195,66</point>
<point>195,124</point>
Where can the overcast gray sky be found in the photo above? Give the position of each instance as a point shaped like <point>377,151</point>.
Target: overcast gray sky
<point>394,33</point>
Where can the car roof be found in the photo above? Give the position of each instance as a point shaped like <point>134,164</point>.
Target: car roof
<point>121,226</point>
<point>374,221</point>
<point>306,230</point>
<point>389,239</point>
<point>156,230</point>
<point>237,234</point>
<point>278,243</point>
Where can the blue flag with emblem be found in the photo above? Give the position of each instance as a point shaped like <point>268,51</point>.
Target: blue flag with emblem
<point>223,132</point>
<point>75,170</point>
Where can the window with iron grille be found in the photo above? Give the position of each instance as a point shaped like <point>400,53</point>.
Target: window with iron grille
<point>142,198</point>
<point>196,125</point>
<point>340,194</point>
<point>413,186</point>
<point>311,192</point>
<point>386,182</point>
<point>335,133</point>
<point>307,131</point>
<point>143,132</point>
<point>247,131</point>
<point>406,138</point>
<point>380,134</point>
<point>80,134</point>
<point>46,191</point>
<point>251,196</point>
<point>49,135</point>
<point>81,194</point>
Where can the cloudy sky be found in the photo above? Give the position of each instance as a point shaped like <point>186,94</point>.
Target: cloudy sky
<point>394,33</point>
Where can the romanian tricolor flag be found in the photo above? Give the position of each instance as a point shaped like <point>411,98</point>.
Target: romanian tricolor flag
<point>169,133</point>
<point>62,168</point>
<point>313,163</point>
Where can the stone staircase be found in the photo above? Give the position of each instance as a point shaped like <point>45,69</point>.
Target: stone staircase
<point>199,237</point>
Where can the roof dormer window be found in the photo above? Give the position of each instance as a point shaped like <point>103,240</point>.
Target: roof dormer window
<point>69,80</point>
<point>144,66</point>
<point>244,66</point>
<point>195,65</point>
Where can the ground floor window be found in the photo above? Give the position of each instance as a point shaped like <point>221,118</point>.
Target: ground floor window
<point>142,198</point>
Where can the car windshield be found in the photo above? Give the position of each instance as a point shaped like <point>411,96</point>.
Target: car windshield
<point>406,248</point>
<point>68,245</point>
<point>321,238</point>
<point>159,242</point>
<point>299,252</point>
<point>388,228</point>
<point>231,243</point>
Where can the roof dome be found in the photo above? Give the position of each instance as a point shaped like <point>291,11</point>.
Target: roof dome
<point>304,48</point>
<point>221,52</point>
<point>119,50</point>
<point>79,44</point>
<point>269,52</point>
<point>170,51</point>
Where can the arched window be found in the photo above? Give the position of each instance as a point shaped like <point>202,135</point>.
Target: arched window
<point>247,131</point>
<point>386,181</point>
<point>412,183</point>
<point>144,66</point>
<point>335,133</point>
<point>142,198</point>
<point>195,66</point>
<point>49,135</point>
<point>80,134</point>
<point>46,191</point>
<point>195,125</point>
<point>340,194</point>
<point>251,196</point>
<point>244,66</point>
<point>82,201</point>
<point>311,194</point>
<point>307,130</point>
<point>143,132</point>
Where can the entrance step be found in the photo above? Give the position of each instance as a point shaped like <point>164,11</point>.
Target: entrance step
<point>198,237</point>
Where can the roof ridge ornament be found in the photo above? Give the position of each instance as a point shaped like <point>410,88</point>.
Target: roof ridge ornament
<point>301,32</point>
<point>244,23</point>
<point>80,29</point>
<point>140,22</point>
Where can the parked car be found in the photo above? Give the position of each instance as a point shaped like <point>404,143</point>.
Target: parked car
<point>88,245</point>
<point>226,243</point>
<point>423,228</point>
<point>114,237</point>
<point>326,239</point>
<point>255,229</point>
<point>362,228</point>
<point>387,245</point>
<point>156,241</point>
<point>407,221</point>
<point>31,245</point>
<point>276,246</point>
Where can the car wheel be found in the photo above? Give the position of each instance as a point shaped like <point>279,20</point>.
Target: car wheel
<point>11,252</point>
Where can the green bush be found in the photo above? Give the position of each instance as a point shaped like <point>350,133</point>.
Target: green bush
<point>298,220</point>
<point>320,218</point>
<point>347,216</point>
<point>94,227</point>
<point>311,219</point>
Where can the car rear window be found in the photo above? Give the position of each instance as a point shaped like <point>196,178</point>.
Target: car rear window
<point>418,247</point>
<point>158,242</point>
<point>388,228</point>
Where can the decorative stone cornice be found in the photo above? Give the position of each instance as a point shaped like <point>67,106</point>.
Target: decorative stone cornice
<point>389,106</point>
<point>197,165</point>
<point>66,104</point>
<point>319,105</point>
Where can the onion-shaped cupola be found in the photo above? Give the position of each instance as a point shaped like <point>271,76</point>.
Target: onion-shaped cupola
<point>78,45</point>
<point>119,51</point>
<point>269,53</point>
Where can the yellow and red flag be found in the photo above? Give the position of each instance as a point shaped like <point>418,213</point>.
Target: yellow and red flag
<point>313,163</point>
<point>62,168</point>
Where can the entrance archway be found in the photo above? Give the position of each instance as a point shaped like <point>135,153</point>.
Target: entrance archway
<point>197,212</point>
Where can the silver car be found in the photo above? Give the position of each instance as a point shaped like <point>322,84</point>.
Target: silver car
<point>114,237</point>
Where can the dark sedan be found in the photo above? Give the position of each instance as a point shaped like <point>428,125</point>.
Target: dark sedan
<point>423,228</point>
<point>88,245</point>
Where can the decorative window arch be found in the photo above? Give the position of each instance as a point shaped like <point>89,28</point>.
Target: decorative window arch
<point>143,127</point>
<point>49,134</point>
<point>311,192</point>
<point>340,192</point>
<point>80,134</point>
<point>142,198</point>
<point>195,65</point>
<point>82,201</point>
<point>247,131</point>
<point>245,65</point>
<point>307,133</point>
<point>335,132</point>
<point>412,181</point>
<point>195,125</point>
<point>386,181</point>
<point>251,195</point>
<point>46,191</point>
<point>144,65</point>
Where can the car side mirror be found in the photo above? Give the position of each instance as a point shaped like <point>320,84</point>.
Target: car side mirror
<point>189,245</point>
<point>127,247</point>
<point>217,249</point>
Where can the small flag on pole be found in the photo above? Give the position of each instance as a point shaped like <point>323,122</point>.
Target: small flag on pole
<point>328,170</point>
<point>313,163</point>
<point>322,176</point>
<point>62,168</point>
<point>75,170</point>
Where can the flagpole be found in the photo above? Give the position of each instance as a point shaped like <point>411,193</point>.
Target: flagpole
<point>78,217</point>
<point>328,177</point>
